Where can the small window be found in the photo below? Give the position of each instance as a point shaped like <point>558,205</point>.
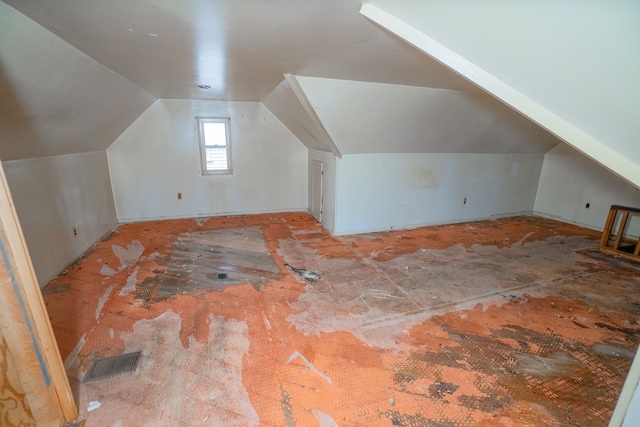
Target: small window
<point>215,145</point>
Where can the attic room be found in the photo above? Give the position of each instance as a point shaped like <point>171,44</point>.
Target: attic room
<point>404,229</point>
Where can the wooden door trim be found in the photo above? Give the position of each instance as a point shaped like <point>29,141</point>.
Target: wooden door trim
<point>31,339</point>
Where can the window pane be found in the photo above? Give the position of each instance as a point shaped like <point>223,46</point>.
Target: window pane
<point>214,133</point>
<point>216,159</point>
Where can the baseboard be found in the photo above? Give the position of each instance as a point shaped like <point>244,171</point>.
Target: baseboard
<point>209,215</point>
<point>65,265</point>
<point>566,221</point>
<point>434,223</point>
<point>68,263</point>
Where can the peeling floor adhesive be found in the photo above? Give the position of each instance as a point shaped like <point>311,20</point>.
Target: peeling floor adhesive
<point>107,271</point>
<point>323,419</point>
<point>309,365</point>
<point>72,363</point>
<point>104,298</point>
<point>439,326</point>
<point>128,256</point>
<point>201,221</point>
<point>521,241</point>
<point>130,286</point>
<point>267,324</point>
<point>373,293</point>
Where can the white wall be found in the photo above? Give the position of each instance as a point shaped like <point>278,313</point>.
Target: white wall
<point>158,156</point>
<point>329,186</point>
<point>365,117</point>
<point>384,191</point>
<point>54,195</point>
<point>632,417</point>
<point>571,66</point>
<point>569,181</point>
<point>294,113</point>
<point>54,99</point>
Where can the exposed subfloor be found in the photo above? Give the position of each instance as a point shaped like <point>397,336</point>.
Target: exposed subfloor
<point>506,322</point>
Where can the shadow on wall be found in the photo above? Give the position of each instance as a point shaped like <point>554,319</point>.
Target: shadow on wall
<point>15,123</point>
<point>12,115</point>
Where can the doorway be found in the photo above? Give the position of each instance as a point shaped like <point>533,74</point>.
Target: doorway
<point>316,189</point>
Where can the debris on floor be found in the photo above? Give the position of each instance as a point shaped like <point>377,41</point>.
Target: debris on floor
<point>447,326</point>
<point>307,275</point>
<point>94,404</point>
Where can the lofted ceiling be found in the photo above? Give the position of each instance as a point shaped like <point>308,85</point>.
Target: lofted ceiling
<point>364,117</point>
<point>75,73</point>
<point>240,48</point>
<point>54,100</point>
<point>571,66</point>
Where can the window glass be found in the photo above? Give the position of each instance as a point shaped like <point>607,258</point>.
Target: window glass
<point>215,145</point>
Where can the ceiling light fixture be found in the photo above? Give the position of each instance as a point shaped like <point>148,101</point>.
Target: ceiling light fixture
<point>204,86</point>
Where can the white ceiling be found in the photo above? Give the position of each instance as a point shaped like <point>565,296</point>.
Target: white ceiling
<point>241,48</point>
<point>571,66</point>
<point>54,100</point>
<point>384,118</point>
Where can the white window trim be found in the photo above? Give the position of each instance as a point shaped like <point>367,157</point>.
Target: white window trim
<point>203,156</point>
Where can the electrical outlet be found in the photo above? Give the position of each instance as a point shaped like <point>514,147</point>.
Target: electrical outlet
<point>179,195</point>
<point>465,201</point>
<point>75,232</point>
<point>587,205</point>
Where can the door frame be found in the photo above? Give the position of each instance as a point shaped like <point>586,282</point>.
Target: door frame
<point>316,165</point>
<point>26,326</point>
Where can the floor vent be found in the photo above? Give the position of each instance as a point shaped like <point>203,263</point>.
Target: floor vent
<point>105,368</point>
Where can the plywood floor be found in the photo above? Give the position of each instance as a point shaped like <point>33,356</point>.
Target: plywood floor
<point>496,323</point>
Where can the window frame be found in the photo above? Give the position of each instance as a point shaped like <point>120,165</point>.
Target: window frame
<point>201,121</point>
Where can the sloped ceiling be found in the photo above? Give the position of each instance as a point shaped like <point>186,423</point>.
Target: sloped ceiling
<point>75,78</point>
<point>241,49</point>
<point>291,106</point>
<point>571,66</point>
<point>363,117</point>
<point>55,100</point>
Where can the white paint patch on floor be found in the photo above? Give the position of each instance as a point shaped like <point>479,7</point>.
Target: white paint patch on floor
<point>107,271</point>
<point>323,419</point>
<point>267,324</point>
<point>128,256</point>
<point>201,221</point>
<point>130,286</point>
<point>521,241</point>
<point>150,256</point>
<point>72,363</point>
<point>378,302</point>
<point>209,374</point>
<point>103,299</point>
<point>310,365</point>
